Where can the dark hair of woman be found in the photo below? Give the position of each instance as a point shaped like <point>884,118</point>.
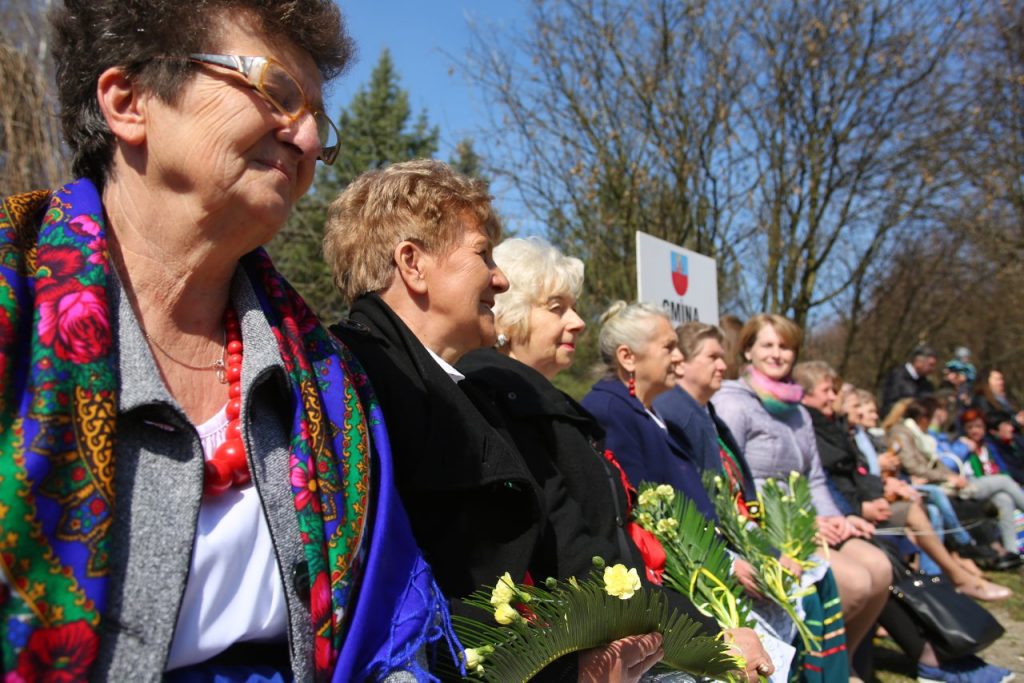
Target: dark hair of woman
<point>94,35</point>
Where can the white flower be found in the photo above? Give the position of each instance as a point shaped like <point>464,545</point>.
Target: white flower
<point>475,658</point>
<point>667,525</point>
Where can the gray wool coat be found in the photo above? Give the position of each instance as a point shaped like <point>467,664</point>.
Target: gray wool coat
<point>774,445</point>
<point>159,486</point>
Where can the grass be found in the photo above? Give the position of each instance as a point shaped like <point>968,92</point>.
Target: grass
<point>892,666</point>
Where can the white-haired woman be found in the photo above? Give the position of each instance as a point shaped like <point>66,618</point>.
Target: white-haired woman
<point>538,328</point>
<point>639,350</point>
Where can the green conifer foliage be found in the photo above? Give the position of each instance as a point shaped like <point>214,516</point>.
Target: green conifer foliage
<point>376,128</point>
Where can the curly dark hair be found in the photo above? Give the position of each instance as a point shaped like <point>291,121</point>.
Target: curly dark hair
<point>92,36</point>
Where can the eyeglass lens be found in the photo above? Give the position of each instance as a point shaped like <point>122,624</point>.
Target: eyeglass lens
<point>279,85</point>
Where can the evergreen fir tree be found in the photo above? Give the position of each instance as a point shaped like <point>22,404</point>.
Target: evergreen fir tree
<point>375,129</point>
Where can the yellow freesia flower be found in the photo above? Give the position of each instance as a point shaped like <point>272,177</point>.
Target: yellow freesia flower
<point>667,525</point>
<point>647,497</point>
<point>506,614</point>
<point>620,582</point>
<point>666,492</point>
<point>503,591</point>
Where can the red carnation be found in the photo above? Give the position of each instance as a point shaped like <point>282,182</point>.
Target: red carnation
<point>62,261</point>
<point>59,654</point>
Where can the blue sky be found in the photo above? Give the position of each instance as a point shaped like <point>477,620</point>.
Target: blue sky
<point>425,38</point>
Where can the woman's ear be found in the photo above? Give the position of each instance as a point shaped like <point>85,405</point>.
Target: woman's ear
<point>122,106</point>
<point>410,260</point>
<point>626,358</point>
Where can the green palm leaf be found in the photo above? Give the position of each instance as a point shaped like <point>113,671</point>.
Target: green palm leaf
<point>567,617</point>
<point>790,522</point>
<point>696,563</point>
<point>757,544</point>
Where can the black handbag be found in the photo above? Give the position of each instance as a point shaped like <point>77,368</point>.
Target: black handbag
<point>954,624</point>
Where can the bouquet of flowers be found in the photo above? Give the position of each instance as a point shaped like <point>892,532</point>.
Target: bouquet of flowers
<point>535,625</point>
<point>696,563</point>
<point>787,524</point>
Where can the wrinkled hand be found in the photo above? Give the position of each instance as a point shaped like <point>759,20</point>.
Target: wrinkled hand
<point>626,659</point>
<point>889,461</point>
<point>831,529</point>
<point>862,528</point>
<point>875,511</point>
<point>745,643</point>
<point>747,576</point>
<point>791,565</point>
<point>894,488</point>
<point>910,493</point>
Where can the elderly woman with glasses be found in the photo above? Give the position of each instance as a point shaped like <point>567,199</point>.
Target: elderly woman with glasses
<point>185,453</point>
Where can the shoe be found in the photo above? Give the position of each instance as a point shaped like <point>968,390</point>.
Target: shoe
<point>978,553</point>
<point>984,590</point>
<point>966,670</point>
<point>1007,561</point>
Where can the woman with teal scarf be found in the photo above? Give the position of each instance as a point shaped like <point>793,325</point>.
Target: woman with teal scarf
<point>196,479</point>
<point>762,410</point>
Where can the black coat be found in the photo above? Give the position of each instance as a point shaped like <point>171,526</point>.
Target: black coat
<point>567,443</point>
<point>474,508</point>
<point>476,505</point>
<point>564,445</point>
<point>900,384</point>
<point>846,467</point>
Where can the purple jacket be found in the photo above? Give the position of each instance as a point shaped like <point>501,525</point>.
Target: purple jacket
<point>774,445</point>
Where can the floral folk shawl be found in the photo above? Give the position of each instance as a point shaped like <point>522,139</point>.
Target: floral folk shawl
<point>58,407</point>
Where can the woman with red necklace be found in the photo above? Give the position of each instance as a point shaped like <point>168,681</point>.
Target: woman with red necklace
<point>185,453</point>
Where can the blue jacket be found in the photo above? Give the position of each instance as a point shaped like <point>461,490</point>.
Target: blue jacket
<point>645,450</point>
<point>697,429</point>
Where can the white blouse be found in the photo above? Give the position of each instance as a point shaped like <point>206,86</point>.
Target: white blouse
<point>234,591</point>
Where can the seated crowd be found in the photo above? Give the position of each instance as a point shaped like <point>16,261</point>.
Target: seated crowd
<point>461,334</point>
<point>202,481</point>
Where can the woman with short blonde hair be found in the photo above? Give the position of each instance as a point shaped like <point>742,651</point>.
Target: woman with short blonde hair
<point>423,201</point>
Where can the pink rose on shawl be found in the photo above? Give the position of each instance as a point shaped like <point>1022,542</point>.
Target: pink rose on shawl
<point>98,256</point>
<point>61,261</point>
<point>85,225</point>
<point>73,320</point>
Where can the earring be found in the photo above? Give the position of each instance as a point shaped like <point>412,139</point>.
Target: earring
<point>632,383</point>
<point>502,340</point>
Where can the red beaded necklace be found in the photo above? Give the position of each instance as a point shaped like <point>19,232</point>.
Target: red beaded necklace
<point>228,467</point>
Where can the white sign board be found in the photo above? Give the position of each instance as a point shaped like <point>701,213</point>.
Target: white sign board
<point>681,281</point>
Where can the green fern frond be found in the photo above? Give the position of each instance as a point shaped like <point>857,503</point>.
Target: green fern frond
<point>564,618</point>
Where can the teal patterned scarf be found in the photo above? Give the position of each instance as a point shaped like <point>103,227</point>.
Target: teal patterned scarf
<point>778,398</point>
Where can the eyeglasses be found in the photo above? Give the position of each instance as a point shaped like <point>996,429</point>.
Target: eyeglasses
<point>269,78</point>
